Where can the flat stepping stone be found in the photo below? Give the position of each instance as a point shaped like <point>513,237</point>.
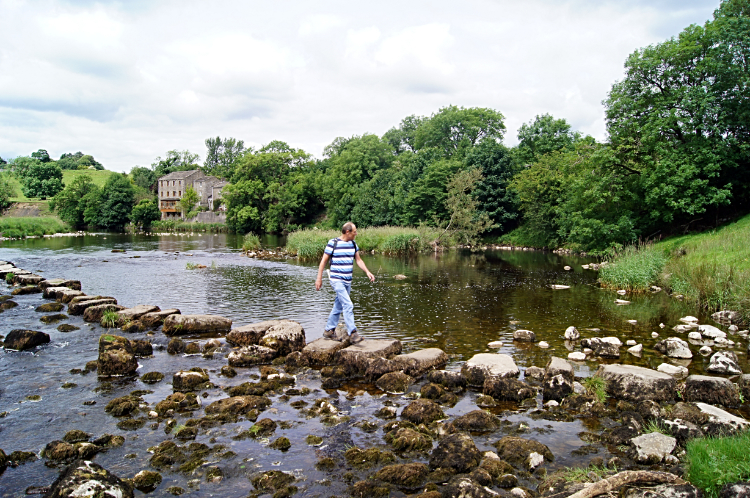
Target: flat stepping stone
<point>156,318</point>
<point>356,357</point>
<point>134,313</point>
<point>484,365</point>
<point>78,308</point>
<point>321,352</point>
<point>52,292</point>
<point>28,279</point>
<point>195,324</point>
<point>634,383</point>
<point>95,313</point>
<point>417,363</point>
<point>67,295</point>
<point>60,282</point>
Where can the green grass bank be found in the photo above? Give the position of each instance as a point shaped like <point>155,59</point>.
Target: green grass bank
<point>711,268</point>
<point>310,243</point>
<point>184,226</point>
<point>713,462</point>
<point>36,226</point>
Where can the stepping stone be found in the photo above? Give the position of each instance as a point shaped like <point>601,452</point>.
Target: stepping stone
<point>95,313</point>
<point>156,318</point>
<point>195,324</point>
<point>321,352</point>
<point>52,292</point>
<point>28,279</point>
<point>720,421</point>
<point>78,308</point>
<point>67,295</point>
<point>634,383</point>
<point>61,282</point>
<point>417,363</point>
<point>355,358</point>
<point>134,313</point>
<point>484,365</point>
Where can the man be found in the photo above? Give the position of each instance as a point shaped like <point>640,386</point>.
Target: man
<point>342,252</point>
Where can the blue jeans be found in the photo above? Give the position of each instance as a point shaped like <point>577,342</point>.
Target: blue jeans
<point>343,303</point>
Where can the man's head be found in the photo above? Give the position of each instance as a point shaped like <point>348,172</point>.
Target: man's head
<point>348,231</point>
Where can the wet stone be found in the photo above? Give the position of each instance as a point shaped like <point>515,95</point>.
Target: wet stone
<point>147,481</point>
<point>76,436</point>
<point>60,282</point>
<point>176,346</point>
<point>634,383</point>
<point>155,319</point>
<point>191,380</point>
<point>406,475</point>
<point>711,390</point>
<point>484,365</point>
<point>456,452</point>
<point>248,356</point>
<point>79,307</point>
<point>474,421</point>
<point>507,389</point>
<point>152,377</point>
<point>95,313</point>
<point>50,308</point>
<point>356,358</point>
<point>136,312</point>
<point>518,451</point>
<point>408,440</point>
<point>558,379</point>
<point>122,406</point>
<point>22,340</point>
<point>422,411</point>
<point>7,304</point>
<point>116,356</point>
<point>417,363</point>
<point>238,405</point>
<point>394,382</point>
<point>86,479</point>
<point>27,289</point>
<point>67,295</point>
<point>49,319</point>
<point>177,325</point>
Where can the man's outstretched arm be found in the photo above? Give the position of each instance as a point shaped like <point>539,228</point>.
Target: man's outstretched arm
<point>362,265</point>
<point>321,267</point>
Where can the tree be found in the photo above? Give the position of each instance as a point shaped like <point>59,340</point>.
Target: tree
<point>454,129</point>
<point>403,138</point>
<point>41,155</point>
<point>22,164</point>
<point>492,191</point>
<point>42,180</point>
<point>145,213</point>
<point>188,201</point>
<point>222,156</point>
<point>6,192</point>
<point>116,202</point>
<point>175,161</point>
<point>143,177</point>
<point>544,135</point>
<point>427,196</point>
<point>465,222</point>
<point>91,203</point>
<point>3,162</point>
<point>69,202</point>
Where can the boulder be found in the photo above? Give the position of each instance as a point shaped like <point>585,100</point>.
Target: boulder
<point>602,347</point>
<point>156,318</point>
<point>735,490</point>
<point>116,356</point>
<point>60,282</point>
<point>394,382</point>
<point>30,279</point>
<point>577,356</point>
<point>190,380</point>
<point>53,292</point>
<point>320,352</point>
<point>21,340</point>
<point>522,452</point>
<point>447,378</point>
<point>238,405</point>
<point>142,348</point>
<point>417,363</point>
<point>507,389</point>
<point>558,379</point>
<point>572,334</point>
<point>27,289</point>
<point>456,452</point>
<point>524,336</point>
<point>634,383</point>
<point>84,479</point>
<point>95,313</point>
<point>475,421</point>
<point>50,308</point>
<point>422,411</point>
<point>175,325</point>
<point>285,337</point>
<point>724,362</point>
<point>676,371</point>
<point>247,335</point>
<point>636,350</point>
<point>248,356</point>
<point>683,328</point>
<point>682,430</point>
<point>652,448</point>
<point>484,365</point>
<point>720,421</point>
<point>146,480</point>
<point>136,312</point>
<point>403,475</point>
<point>711,332</point>
<point>711,390</point>
<point>534,373</point>
<point>78,307</point>
<point>726,317</point>
<point>355,359</point>
<point>674,347</point>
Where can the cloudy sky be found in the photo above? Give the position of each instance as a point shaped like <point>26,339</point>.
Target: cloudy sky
<point>127,81</point>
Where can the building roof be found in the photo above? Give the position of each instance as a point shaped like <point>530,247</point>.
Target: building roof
<point>180,175</point>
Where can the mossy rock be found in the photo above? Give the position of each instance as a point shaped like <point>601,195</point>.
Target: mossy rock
<point>281,444</point>
<point>228,371</point>
<point>66,327</point>
<point>177,402</point>
<point>192,348</point>
<point>300,403</point>
<point>6,305</point>
<point>147,481</point>
<point>314,440</point>
<point>109,440</point>
<point>516,450</point>
<point>409,440</point>
<point>326,464</point>
<point>262,428</point>
<point>271,480</point>
<point>175,490</point>
<point>152,377</point>
<point>214,474</point>
<point>50,307</point>
<point>496,468</point>
<point>76,436</point>
<point>422,411</point>
<point>405,475</point>
<point>48,319</point>
<point>369,489</point>
<point>20,457</point>
<point>364,459</point>
<point>69,385</point>
<point>59,451</point>
<point>122,406</point>
<point>475,421</point>
<point>131,424</point>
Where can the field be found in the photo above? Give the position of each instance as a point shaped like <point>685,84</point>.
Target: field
<point>98,176</point>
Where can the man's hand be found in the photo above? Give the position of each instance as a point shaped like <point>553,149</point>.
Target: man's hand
<point>318,283</point>
<point>371,276</point>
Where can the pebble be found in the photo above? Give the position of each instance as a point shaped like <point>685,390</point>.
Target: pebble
<point>654,334</point>
<point>495,344</point>
<point>577,356</point>
<point>636,350</point>
<point>543,344</point>
<point>621,301</point>
<point>567,268</point>
<point>661,325</point>
<point>551,403</point>
<point>631,342</point>
<point>705,351</point>
<point>622,292</point>
<point>632,322</point>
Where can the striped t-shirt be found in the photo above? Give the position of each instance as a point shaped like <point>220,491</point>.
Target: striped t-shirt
<point>342,259</point>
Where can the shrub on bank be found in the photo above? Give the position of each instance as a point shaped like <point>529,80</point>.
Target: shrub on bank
<point>33,226</point>
<point>251,242</point>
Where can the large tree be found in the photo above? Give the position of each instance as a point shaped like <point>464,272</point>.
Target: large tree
<point>222,156</point>
<point>42,179</point>
<point>69,201</point>
<point>543,135</point>
<point>454,130</point>
<point>145,213</point>
<point>175,160</point>
<point>117,200</point>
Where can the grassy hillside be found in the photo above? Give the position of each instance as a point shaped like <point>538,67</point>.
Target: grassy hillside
<point>98,176</point>
<point>710,268</point>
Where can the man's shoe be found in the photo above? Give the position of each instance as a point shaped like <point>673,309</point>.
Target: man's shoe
<point>355,338</point>
<point>340,334</point>
<point>329,334</point>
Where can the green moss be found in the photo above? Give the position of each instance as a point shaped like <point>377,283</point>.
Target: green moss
<point>281,444</point>
<point>314,440</point>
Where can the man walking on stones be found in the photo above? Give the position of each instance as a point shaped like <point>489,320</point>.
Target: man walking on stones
<point>342,252</point>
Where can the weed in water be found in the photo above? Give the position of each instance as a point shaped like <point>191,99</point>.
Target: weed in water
<point>714,462</point>
<point>597,387</point>
<point>656,426</point>
<point>634,268</point>
<point>9,278</point>
<point>191,266</point>
<point>110,319</point>
<point>251,242</point>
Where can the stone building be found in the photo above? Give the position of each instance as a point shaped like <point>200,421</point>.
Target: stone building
<point>173,186</point>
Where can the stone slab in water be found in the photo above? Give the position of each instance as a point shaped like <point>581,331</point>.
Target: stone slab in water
<point>321,352</point>
<point>417,363</point>
<point>356,357</point>
<point>196,324</point>
<point>87,479</point>
<point>285,336</point>
<point>711,390</point>
<point>68,295</point>
<point>155,319</point>
<point>28,279</point>
<point>484,365</point>
<point>78,308</point>
<point>52,292</point>
<point>61,282</point>
<point>116,356</point>
<point>95,313</point>
<point>634,383</point>
<point>250,334</point>
<point>26,289</point>
<point>134,313</point>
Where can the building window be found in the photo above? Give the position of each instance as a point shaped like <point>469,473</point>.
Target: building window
<point>174,194</point>
<point>179,193</point>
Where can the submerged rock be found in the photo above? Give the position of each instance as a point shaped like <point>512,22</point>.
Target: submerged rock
<point>422,411</point>
<point>404,475</point>
<point>524,336</point>
<point>116,356</point>
<point>191,380</point>
<point>195,324</point>
<point>456,452</point>
<point>21,340</point>
<point>147,481</point>
<point>50,307</point>
<point>634,383</point>
<point>394,382</point>
<point>85,479</point>
<point>521,452</point>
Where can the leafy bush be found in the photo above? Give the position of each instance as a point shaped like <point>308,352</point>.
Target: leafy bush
<point>714,462</point>
<point>251,242</point>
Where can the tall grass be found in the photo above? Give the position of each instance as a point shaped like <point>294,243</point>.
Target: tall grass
<point>184,226</point>
<point>309,244</point>
<point>34,226</point>
<point>251,242</point>
<point>714,462</point>
<point>634,269</point>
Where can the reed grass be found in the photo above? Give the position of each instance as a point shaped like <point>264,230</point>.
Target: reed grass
<point>251,242</point>
<point>184,226</point>
<point>32,226</point>
<point>310,243</point>
<point>634,269</point>
<point>713,462</point>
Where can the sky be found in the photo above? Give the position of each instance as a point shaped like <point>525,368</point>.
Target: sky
<point>128,81</point>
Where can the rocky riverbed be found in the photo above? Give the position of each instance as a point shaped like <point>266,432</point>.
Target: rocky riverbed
<point>166,402</point>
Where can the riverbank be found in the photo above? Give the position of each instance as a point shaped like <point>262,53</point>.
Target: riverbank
<point>30,226</point>
<point>711,268</point>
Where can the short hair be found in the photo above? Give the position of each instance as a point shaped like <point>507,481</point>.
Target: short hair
<point>348,227</point>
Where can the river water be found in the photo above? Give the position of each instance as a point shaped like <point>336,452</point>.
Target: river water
<point>457,301</point>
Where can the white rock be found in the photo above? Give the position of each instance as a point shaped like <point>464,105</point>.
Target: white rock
<point>490,455</point>
<point>572,334</point>
<point>577,356</point>
<point>673,370</point>
<point>661,325</point>
<point>543,344</point>
<point>551,403</point>
<point>705,351</point>
<point>636,350</point>
<point>578,388</point>
<point>622,292</point>
<point>495,344</point>
<point>567,268</point>
<point>689,319</point>
<point>535,460</point>
<point>653,447</point>
<point>733,329</point>
<point>695,336</point>
<point>516,493</point>
<point>654,334</point>
<point>585,267</point>
<point>711,332</point>
<point>559,287</point>
<point>684,328</point>
<point>587,351</point>
<point>621,301</point>
<point>718,416</point>
<point>630,342</point>
<point>612,340</point>
<point>632,322</point>
<point>721,342</point>
<point>153,414</point>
